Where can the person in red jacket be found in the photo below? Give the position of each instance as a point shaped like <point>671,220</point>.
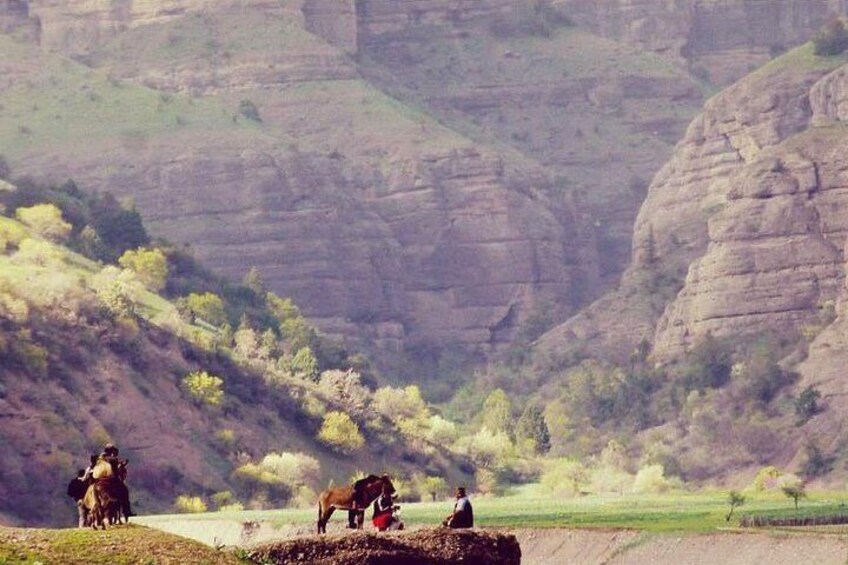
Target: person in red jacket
<point>384,512</point>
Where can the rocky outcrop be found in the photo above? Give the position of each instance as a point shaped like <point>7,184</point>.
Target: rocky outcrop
<point>743,230</point>
<point>754,197</point>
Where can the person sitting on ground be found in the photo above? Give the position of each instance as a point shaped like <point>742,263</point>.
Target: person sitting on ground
<point>76,490</point>
<point>384,511</point>
<point>463,514</point>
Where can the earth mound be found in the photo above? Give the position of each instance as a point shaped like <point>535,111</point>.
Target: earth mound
<point>422,547</point>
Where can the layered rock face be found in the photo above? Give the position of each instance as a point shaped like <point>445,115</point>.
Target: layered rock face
<point>743,230</point>
<point>751,203</point>
<point>721,39</point>
<point>378,221</point>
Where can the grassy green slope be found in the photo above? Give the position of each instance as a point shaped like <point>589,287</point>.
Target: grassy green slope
<point>124,546</point>
<point>59,105</point>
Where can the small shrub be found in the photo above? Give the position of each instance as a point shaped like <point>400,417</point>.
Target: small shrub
<point>651,479</point>
<point>189,504</point>
<point>45,220</point>
<point>249,110</point>
<point>807,404</point>
<point>224,499</point>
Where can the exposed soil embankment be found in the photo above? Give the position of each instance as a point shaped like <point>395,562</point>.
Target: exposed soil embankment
<point>422,547</point>
<point>590,547</point>
<point>541,546</point>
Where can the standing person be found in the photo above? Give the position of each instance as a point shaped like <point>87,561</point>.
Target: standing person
<point>463,514</point>
<point>76,490</point>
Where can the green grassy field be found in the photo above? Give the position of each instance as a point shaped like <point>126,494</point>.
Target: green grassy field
<point>529,507</point>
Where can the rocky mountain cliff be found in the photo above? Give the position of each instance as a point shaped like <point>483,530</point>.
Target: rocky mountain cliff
<point>419,217</point>
<point>743,234</point>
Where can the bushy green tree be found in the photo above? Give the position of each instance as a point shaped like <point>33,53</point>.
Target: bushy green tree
<point>497,412</point>
<point>651,479</point>
<point>708,365</point>
<point>119,228</point>
<point>189,504</point>
<point>46,220</point>
<point>297,333</point>
<point>294,469</point>
<point>207,306</point>
<point>253,281</point>
<point>204,388</point>
<point>432,486</point>
<point>149,265</point>
<point>793,487</point>
<point>304,365</point>
<point>734,499</point>
<point>532,430</point>
<point>341,432</point>
<point>564,477</point>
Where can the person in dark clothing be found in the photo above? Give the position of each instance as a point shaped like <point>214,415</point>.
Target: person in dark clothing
<point>462,515</point>
<point>76,490</point>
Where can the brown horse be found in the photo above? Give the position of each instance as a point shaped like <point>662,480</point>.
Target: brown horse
<point>342,497</point>
<point>107,496</point>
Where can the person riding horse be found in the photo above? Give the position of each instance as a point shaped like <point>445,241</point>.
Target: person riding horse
<point>107,497</point>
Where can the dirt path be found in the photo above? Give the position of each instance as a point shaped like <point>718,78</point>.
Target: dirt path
<point>557,546</point>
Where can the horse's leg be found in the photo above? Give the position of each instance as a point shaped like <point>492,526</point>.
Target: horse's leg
<point>360,519</point>
<point>324,517</point>
<point>320,524</point>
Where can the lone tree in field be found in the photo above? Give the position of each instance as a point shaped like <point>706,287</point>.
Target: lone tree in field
<point>734,499</point>
<point>794,488</point>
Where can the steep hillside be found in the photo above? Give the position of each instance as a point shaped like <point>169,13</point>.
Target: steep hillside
<point>91,356</point>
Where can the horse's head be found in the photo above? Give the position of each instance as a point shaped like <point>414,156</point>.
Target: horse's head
<point>121,469</point>
<point>386,485</point>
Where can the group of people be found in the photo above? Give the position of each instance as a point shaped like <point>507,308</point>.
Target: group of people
<point>385,512</point>
<point>100,490</point>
